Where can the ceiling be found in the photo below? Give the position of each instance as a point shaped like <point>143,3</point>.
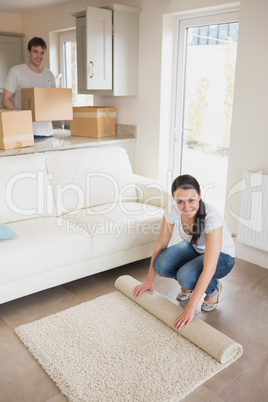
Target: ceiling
<point>20,6</point>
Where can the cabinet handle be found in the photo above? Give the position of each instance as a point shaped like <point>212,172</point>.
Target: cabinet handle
<point>91,69</point>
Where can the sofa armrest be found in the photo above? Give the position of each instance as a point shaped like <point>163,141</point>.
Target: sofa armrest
<point>151,191</point>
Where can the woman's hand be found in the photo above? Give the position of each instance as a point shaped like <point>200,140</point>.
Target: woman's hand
<point>140,289</point>
<point>185,318</point>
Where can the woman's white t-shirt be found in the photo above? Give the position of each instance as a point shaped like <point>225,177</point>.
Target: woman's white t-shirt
<point>213,220</point>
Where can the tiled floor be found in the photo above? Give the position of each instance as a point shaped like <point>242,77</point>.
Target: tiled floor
<point>242,315</point>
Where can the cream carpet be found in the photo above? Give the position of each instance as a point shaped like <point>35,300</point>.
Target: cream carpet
<point>114,349</point>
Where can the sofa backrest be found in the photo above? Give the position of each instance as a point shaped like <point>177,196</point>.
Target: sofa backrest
<point>83,178</point>
<point>25,190</point>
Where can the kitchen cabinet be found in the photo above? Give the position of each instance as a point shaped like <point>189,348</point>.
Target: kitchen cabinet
<point>10,54</point>
<point>94,49</point>
<point>107,50</point>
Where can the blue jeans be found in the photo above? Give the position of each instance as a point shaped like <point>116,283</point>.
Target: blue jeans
<point>184,264</point>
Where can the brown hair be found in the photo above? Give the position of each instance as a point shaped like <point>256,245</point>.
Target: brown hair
<point>186,182</point>
<point>34,42</point>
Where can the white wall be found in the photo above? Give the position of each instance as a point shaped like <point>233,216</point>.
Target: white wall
<point>10,23</point>
<point>249,137</point>
<point>249,129</point>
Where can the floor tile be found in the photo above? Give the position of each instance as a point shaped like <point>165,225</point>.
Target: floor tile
<point>33,307</point>
<point>225,377</point>
<point>168,287</point>
<point>244,272</point>
<point>216,399</point>
<point>22,378</point>
<point>229,287</point>
<point>95,285</point>
<point>7,335</point>
<point>109,277</point>
<point>89,288</point>
<point>252,350</point>
<point>251,386</point>
<point>259,287</point>
<point>201,394</point>
<point>245,314</point>
<point>138,269</point>
<point>58,398</point>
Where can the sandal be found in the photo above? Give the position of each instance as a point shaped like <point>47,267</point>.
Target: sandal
<point>210,307</point>
<point>184,296</point>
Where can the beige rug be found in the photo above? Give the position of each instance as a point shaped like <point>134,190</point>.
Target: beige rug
<point>112,349</point>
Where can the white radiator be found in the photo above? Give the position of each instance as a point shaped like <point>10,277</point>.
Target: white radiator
<point>253,216</point>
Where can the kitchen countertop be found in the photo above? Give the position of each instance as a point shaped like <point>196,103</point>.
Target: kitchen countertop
<point>62,139</point>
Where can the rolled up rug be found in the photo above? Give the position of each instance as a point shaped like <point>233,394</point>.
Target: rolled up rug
<point>203,335</point>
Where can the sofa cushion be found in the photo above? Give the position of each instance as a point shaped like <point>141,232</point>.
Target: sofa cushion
<point>25,190</point>
<point>42,245</point>
<point>6,233</point>
<point>118,227</point>
<point>83,178</point>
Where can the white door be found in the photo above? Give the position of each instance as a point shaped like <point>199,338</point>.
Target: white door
<point>205,81</point>
<point>10,55</point>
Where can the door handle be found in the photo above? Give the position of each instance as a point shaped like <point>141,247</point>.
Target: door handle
<point>91,69</point>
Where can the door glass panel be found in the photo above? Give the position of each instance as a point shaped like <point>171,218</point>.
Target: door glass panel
<point>208,98</point>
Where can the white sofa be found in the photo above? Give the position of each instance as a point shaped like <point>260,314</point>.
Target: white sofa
<point>75,213</point>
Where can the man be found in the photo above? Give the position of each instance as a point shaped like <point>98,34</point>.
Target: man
<point>29,75</point>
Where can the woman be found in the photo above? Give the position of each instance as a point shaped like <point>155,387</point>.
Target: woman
<point>205,255</point>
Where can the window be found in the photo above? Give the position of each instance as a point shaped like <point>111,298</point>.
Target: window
<point>214,34</point>
<point>68,64</point>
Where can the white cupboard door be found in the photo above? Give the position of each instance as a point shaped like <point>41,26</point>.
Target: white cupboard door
<point>99,48</point>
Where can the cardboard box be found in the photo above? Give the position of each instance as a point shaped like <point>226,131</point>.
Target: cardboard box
<point>16,129</point>
<point>93,121</point>
<point>48,103</point>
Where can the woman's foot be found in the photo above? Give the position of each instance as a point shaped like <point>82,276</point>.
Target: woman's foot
<point>184,294</point>
<point>213,299</point>
<point>210,303</point>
